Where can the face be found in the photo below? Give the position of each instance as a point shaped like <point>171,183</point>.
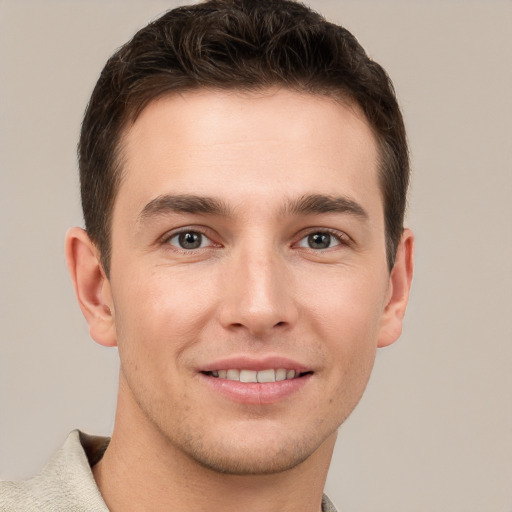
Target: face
<point>248,244</point>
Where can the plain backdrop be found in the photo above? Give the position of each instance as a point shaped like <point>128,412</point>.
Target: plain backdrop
<point>434,429</point>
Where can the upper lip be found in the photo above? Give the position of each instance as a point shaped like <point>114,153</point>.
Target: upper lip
<point>255,364</point>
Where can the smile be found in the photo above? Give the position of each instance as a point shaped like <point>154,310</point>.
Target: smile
<point>261,376</point>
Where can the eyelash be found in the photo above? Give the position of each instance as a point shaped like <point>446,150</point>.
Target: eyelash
<point>165,240</point>
<point>340,237</point>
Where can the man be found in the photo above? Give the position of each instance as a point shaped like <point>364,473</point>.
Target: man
<point>243,171</point>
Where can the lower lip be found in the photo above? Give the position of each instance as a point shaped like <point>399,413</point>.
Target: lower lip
<point>254,393</point>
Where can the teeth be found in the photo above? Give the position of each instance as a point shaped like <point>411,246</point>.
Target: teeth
<point>269,375</point>
<point>248,376</point>
<point>281,374</point>
<point>233,375</point>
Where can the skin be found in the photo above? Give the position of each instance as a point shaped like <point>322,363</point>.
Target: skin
<point>255,289</point>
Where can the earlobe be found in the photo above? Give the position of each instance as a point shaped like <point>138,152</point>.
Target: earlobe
<point>92,287</point>
<point>400,285</point>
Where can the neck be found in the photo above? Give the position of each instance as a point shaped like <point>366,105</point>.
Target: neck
<point>142,470</point>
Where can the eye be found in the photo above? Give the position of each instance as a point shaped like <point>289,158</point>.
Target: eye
<point>189,240</point>
<point>319,240</point>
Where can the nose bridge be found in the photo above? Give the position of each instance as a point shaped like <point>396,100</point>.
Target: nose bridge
<point>259,294</point>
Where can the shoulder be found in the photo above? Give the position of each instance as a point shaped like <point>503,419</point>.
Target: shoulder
<point>327,505</point>
<point>65,483</point>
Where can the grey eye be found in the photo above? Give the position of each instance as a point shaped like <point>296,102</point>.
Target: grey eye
<point>319,240</point>
<point>189,240</point>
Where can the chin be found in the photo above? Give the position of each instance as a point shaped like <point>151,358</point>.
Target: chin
<point>247,462</point>
<point>252,455</point>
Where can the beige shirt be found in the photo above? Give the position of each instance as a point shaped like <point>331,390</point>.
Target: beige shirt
<point>66,483</point>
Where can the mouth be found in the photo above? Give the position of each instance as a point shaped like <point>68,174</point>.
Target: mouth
<point>257,376</point>
<point>256,381</point>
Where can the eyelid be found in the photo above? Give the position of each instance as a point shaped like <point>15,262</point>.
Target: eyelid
<point>164,239</point>
<point>340,236</point>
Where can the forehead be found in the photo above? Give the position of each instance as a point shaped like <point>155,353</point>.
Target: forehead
<point>243,145</point>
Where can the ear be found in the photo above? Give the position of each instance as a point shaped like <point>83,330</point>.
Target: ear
<point>91,285</point>
<point>398,294</point>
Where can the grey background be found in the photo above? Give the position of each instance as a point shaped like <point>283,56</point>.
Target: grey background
<point>434,429</point>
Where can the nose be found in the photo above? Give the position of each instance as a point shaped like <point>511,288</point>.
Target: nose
<point>258,295</point>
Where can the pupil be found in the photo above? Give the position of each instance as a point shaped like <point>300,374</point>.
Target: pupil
<point>319,240</point>
<point>190,240</point>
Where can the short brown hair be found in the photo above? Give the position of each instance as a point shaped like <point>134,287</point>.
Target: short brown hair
<point>236,44</point>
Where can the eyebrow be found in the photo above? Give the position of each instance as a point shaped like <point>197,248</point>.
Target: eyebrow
<point>320,203</point>
<point>203,205</point>
<point>184,203</point>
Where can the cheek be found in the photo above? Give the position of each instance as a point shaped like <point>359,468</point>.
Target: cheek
<point>346,305</point>
<point>160,312</point>
<point>345,316</point>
